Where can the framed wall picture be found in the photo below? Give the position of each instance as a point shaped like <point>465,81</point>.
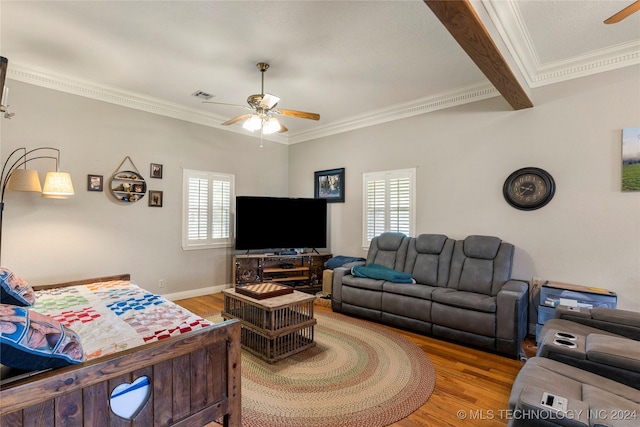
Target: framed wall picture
<point>95,182</point>
<point>155,198</point>
<point>329,184</point>
<point>631,159</point>
<point>156,170</point>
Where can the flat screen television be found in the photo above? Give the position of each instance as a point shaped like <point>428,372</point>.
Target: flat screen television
<point>280,223</point>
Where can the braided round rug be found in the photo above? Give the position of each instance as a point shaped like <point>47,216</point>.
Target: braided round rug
<point>357,374</point>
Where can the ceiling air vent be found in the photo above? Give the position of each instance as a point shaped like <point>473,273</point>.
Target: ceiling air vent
<point>202,94</point>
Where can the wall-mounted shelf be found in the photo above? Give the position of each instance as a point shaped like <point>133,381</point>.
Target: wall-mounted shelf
<point>127,186</point>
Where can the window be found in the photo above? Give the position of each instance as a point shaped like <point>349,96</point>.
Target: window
<point>207,203</point>
<point>388,203</point>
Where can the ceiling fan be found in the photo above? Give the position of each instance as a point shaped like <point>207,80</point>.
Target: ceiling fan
<point>263,106</point>
<point>627,11</point>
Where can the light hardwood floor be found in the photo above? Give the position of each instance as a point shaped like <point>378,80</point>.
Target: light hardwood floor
<point>472,386</point>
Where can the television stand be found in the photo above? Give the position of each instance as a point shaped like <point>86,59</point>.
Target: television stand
<point>300,271</point>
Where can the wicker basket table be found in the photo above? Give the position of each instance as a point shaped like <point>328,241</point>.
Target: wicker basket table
<point>272,328</point>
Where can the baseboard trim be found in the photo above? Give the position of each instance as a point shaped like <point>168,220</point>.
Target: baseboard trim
<point>196,292</point>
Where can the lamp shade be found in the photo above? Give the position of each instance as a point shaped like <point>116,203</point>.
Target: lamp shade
<point>24,180</point>
<point>57,185</point>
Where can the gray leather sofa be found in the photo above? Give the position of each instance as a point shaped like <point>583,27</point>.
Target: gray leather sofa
<point>586,371</point>
<point>604,341</point>
<point>589,399</point>
<point>463,290</point>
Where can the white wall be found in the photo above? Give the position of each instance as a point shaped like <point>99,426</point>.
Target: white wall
<point>589,234</point>
<point>89,234</point>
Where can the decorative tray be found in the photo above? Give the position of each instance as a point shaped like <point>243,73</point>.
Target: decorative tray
<point>264,290</point>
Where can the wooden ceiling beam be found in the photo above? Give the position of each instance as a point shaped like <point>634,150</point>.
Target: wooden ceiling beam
<point>465,26</point>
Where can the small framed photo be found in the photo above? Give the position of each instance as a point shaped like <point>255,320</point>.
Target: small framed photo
<point>95,182</point>
<point>329,184</point>
<point>155,198</point>
<point>156,170</point>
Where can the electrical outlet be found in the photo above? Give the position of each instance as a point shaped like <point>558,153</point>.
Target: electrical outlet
<point>536,282</point>
<point>161,283</point>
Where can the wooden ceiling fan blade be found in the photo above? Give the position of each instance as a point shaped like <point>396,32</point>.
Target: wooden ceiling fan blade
<point>236,119</point>
<point>299,114</point>
<point>283,128</point>
<point>632,8</point>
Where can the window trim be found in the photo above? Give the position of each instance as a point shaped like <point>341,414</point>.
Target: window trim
<point>367,177</point>
<point>209,242</point>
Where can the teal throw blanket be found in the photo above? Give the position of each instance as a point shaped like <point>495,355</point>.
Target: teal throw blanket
<point>376,271</point>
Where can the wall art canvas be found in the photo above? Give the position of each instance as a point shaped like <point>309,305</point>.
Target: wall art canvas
<point>631,159</point>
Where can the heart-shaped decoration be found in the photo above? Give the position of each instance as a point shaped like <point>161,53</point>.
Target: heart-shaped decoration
<point>128,399</point>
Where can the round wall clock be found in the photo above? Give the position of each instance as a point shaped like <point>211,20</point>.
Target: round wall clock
<point>529,188</point>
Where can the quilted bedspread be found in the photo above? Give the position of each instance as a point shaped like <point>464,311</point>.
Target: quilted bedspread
<point>116,315</point>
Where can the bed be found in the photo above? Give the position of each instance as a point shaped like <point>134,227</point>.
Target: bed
<point>190,379</point>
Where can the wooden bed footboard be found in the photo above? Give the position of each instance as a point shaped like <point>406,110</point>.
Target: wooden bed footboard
<point>194,379</point>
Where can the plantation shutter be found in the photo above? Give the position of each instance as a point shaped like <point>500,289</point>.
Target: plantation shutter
<point>207,219</point>
<point>388,203</point>
<point>197,208</point>
<point>221,210</point>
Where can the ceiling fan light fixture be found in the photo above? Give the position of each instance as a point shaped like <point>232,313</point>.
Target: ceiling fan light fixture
<point>253,123</point>
<point>271,125</point>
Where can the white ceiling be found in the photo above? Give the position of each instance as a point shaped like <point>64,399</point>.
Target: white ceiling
<point>356,63</point>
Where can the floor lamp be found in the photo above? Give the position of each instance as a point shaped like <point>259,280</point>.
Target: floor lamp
<point>16,177</point>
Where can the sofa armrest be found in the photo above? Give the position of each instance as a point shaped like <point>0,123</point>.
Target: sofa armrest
<point>512,316</point>
<point>530,407</point>
<point>620,322</point>
<point>336,287</point>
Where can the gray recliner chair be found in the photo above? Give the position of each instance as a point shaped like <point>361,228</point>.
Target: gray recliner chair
<point>548,393</point>
<point>604,341</point>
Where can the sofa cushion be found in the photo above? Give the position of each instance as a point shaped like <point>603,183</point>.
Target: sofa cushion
<point>462,319</point>
<point>622,317</point>
<point>568,381</point>
<point>429,259</point>
<point>415,290</point>
<point>390,241</point>
<point>389,250</point>
<point>477,276</point>
<point>406,306</point>
<point>473,270</point>
<point>613,351</point>
<point>610,409</point>
<point>468,300</point>
<point>363,283</point>
<point>483,247</point>
<point>430,243</point>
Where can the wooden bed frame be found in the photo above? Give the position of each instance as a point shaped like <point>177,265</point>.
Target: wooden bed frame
<point>195,379</point>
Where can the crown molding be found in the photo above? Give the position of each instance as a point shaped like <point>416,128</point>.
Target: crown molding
<point>399,111</point>
<point>46,79</point>
<point>42,78</point>
<point>507,19</point>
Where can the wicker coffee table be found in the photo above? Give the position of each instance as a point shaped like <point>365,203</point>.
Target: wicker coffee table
<point>272,328</point>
